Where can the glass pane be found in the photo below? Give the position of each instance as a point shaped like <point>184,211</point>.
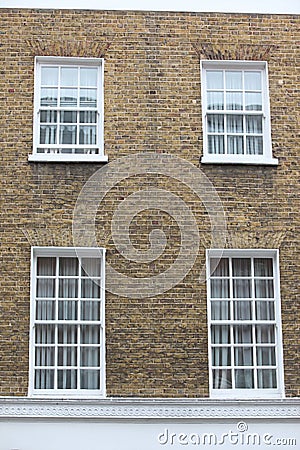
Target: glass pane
<point>44,356</point>
<point>266,378</point>
<point>90,334</point>
<point>46,266</point>
<point>254,145</point>
<point>88,135</point>
<point>222,379</point>
<point>88,117</point>
<point>242,310</point>
<point>48,116</point>
<point>48,134</point>
<point>244,379</point>
<point>220,310</point>
<point>88,76</point>
<point>91,267</point>
<point>234,101</point>
<point>219,267</point>
<point>254,124</point>
<point>68,97</point>
<point>253,101</point>
<point>266,356</point>
<point>45,334</point>
<point>44,379</point>
<point>90,356</point>
<point>233,80</point>
<point>215,101</point>
<point>215,123</point>
<point>242,288</point>
<point>235,124</point>
<point>241,267</point>
<point>221,356</point>
<point>90,379</point>
<point>69,76</point>
<point>220,334</point>
<point>243,356</point>
<point>90,288</point>
<point>242,334</point>
<point>67,310</point>
<point>67,356</point>
<point>45,310</point>
<point>252,81</point>
<point>264,289</point>
<point>45,288</point>
<point>67,379</point>
<point>67,334</point>
<point>265,334</point>
<point>263,267</point>
<point>265,310</point>
<point>235,145</point>
<point>216,145</point>
<point>219,288</point>
<point>68,116</point>
<point>68,288</point>
<point>48,97</point>
<point>68,266</point>
<point>90,310</point>
<point>49,76</point>
<point>88,97</point>
<point>68,134</point>
<point>214,79</point>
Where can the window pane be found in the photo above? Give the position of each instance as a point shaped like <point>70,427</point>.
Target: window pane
<point>90,356</point>
<point>45,310</point>
<point>46,266</point>
<point>87,135</point>
<point>44,356</point>
<point>216,145</point>
<point>234,101</point>
<point>253,101</point>
<point>91,267</point>
<point>233,80</point>
<point>69,76</point>
<point>215,123</point>
<point>235,124</point>
<point>88,117</point>
<point>48,116</point>
<point>221,356</point>
<point>88,76</point>
<point>244,379</point>
<point>266,378</point>
<point>68,116</point>
<point>242,334</point>
<point>263,267</point>
<point>68,97</point>
<point>254,124</point>
<point>68,134</point>
<point>252,81</point>
<point>222,379</point>
<point>66,379</point>
<point>68,288</point>
<point>266,356</point>
<point>45,334</point>
<point>242,288</point>
<point>215,101</point>
<point>48,134</point>
<point>220,310</point>
<point>68,266</point>
<point>48,97</point>
<point>49,76</point>
<point>220,334</point>
<point>45,288</point>
<point>67,356</point>
<point>219,267</point>
<point>265,310</point>
<point>242,310</point>
<point>265,334</point>
<point>235,145</point>
<point>67,334</point>
<point>241,267</point>
<point>44,379</point>
<point>67,310</point>
<point>88,97</point>
<point>90,379</point>
<point>214,79</point>
<point>90,334</point>
<point>264,289</point>
<point>243,356</point>
<point>90,310</point>
<point>219,288</point>
<point>254,145</point>
<point>90,288</point>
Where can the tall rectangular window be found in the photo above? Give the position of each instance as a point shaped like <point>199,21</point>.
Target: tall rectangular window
<point>68,119</point>
<point>245,350</point>
<point>67,321</point>
<point>236,117</point>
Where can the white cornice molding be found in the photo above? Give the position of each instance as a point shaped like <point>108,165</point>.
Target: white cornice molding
<point>112,408</point>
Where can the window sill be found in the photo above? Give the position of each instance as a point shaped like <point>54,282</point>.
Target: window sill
<point>246,394</point>
<point>69,158</point>
<point>215,159</point>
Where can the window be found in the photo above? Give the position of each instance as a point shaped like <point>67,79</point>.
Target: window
<point>67,322</point>
<point>244,324</point>
<point>235,108</point>
<point>68,115</point>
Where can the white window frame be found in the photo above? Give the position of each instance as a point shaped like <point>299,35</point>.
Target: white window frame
<point>264,159</point>
<point>96,152</point>
<point>58,252</point>
<point>245,392</point>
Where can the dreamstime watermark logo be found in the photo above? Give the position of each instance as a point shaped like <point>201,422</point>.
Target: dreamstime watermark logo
<point>145,198</point>
<point>238,437</point>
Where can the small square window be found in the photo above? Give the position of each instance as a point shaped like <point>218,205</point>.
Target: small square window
<point>235,109</point>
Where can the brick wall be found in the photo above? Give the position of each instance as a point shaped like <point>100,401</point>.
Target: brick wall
<point>155,346</point>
